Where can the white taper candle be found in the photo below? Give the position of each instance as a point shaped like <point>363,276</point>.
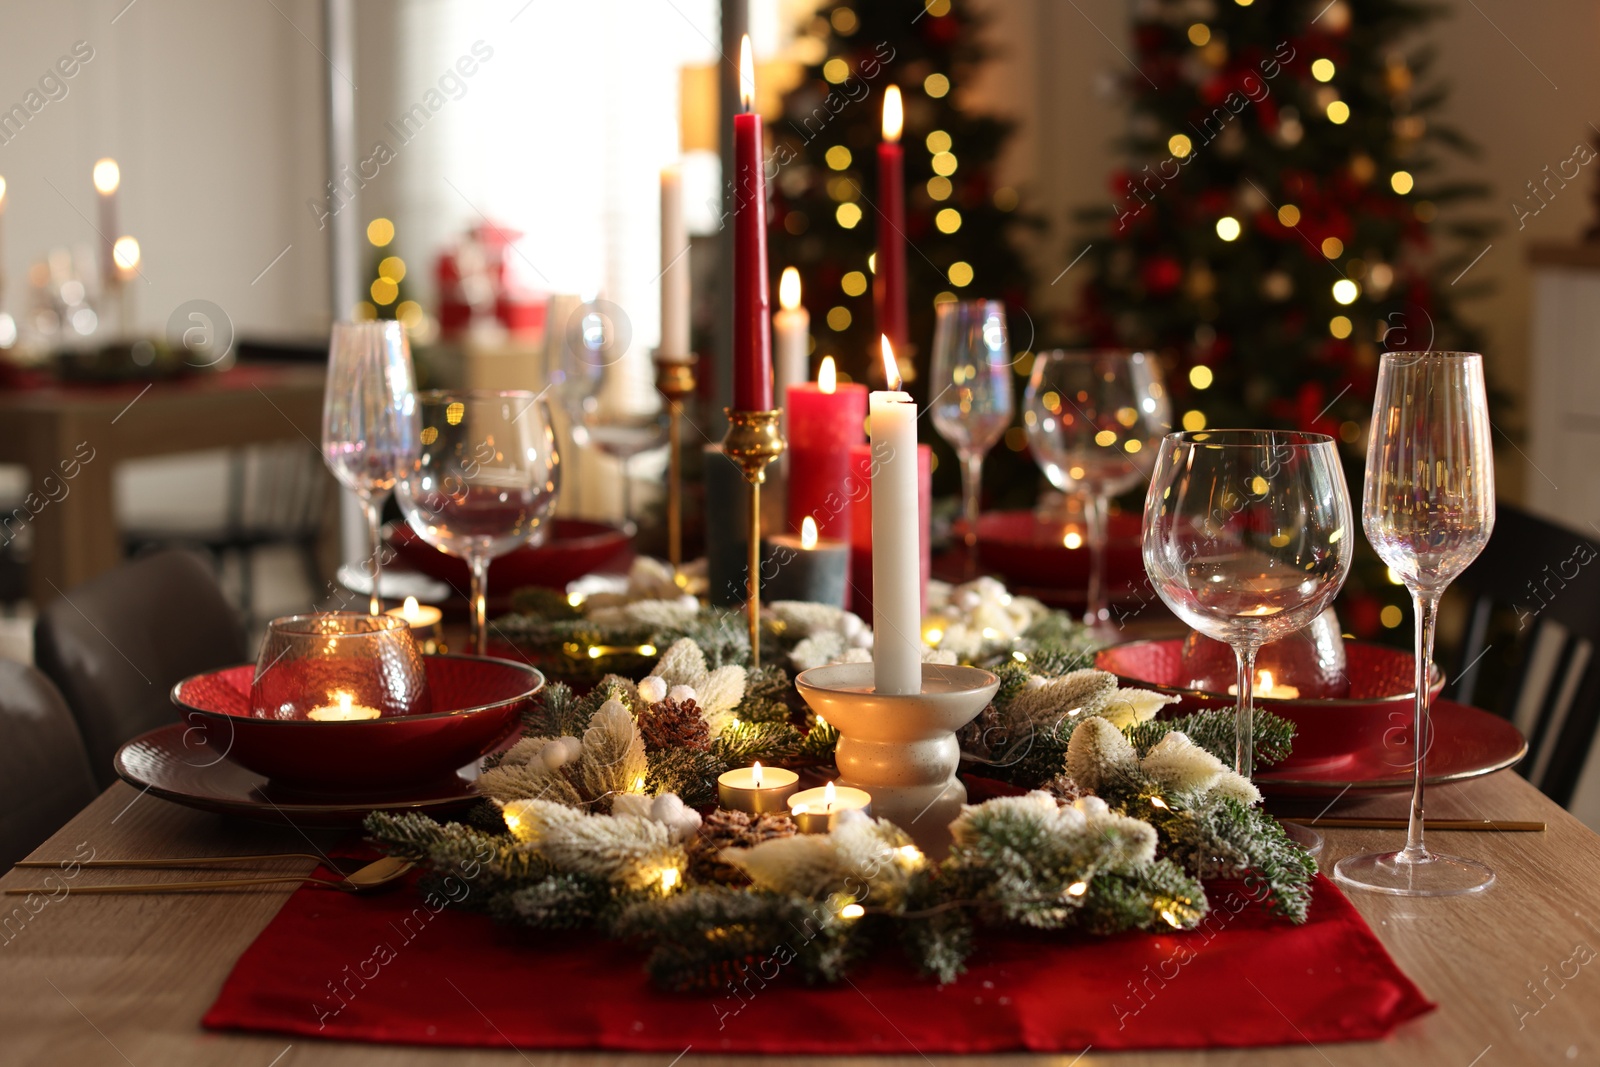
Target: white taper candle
<point>896,557</point>
<point>674,268</point>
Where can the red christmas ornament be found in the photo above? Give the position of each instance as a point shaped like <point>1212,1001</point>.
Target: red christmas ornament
<point>1161,275</point>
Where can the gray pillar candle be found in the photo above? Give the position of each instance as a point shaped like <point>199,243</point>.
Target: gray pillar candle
<point>792,569</point>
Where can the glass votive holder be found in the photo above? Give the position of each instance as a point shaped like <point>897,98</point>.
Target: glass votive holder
<point>339,666</point>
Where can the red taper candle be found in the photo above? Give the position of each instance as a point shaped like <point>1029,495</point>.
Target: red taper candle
<point>889,285</point>
<point>752,339</point>
<point>826,418</point>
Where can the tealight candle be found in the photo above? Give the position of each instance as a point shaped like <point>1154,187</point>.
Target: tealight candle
<point>424,621</point>
<point>1266,687</point>
<point>344,711</point>
<point>814,810</point>
<point>757,789</point>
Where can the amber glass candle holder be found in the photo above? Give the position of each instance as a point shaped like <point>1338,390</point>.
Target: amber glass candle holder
<point>339,666</point>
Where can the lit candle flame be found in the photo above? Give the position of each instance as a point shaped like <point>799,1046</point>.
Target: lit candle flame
<point>1265,683</point>
<point>755,774</point>
<point>829,797</point>
<point>107,176</point>
<point>789,289</point>
<point>410,612</point>
<point>345,700</point>
<point>747,75</point>
<point>827,377</point>
<point>808,533</point>
<point>891,369</point>
<point>2,190</point>
<point>893,114</point>
<point>125,253</point>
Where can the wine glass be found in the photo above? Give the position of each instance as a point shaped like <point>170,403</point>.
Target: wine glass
<point>1428,509</point>
<point>623,434</point>
<point>1247,538</point>
<point>484,482</point>
<point>972,400</point>
<point>369,419</point>
<point>1093,420</point>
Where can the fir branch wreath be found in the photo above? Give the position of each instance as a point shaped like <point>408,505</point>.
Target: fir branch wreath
<point>593,820</point>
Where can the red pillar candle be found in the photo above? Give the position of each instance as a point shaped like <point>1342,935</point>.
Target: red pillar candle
<point>859,487</point>
<point>752,341</point>
<point>826,418</point>
<point>889,284</point>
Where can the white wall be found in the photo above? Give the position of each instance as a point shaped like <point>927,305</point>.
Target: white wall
<point>214,113</point>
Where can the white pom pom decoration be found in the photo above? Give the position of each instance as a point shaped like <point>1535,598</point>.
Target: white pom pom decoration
<point>681,694</point>
<point>652,690</point>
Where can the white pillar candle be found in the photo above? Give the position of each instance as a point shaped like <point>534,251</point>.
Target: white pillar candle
<point>674,269</point>
<point>791,329</point>
<point>896,555</point>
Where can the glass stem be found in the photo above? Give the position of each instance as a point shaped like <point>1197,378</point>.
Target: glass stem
<point>373,507</point>
<point>480,615</point>
<point>1427,609</point>
<point>1244,736</point>
<point>627,491</point>
<point>971,495</point>
<point>1094,512</point>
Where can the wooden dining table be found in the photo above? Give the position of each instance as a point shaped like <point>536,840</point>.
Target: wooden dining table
<point>92,428</point>
<point>91,980</point>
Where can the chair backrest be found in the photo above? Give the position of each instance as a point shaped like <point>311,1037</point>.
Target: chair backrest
<point>1535,617</point>
<point>117,644</point>
<point>44,771</point>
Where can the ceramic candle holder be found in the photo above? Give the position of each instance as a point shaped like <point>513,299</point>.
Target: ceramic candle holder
<point>902,749</point>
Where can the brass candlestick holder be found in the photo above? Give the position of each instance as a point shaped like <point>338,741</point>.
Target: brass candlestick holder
<point>754,440</point>
<point>675,380</point>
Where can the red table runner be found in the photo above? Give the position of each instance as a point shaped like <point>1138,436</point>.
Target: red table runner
<point>384,968</point>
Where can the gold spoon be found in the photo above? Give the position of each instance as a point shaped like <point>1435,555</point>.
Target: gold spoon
<point>374,875</point>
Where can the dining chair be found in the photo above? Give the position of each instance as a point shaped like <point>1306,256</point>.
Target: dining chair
<point>117,644</point>
<point>1532,645</point>
<point>277,495</point>
<point>44,771</point>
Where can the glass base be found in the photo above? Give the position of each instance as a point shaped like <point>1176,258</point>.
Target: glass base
<point>1304,836</point>
<point>1431,876</point>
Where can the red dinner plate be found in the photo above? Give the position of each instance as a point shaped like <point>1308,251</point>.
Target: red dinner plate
<point>176,763</point>
<point>1467,742</point>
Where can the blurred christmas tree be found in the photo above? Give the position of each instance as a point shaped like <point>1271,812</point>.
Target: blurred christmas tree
<point>1282,218</point>
<point>959,220</point>
<point>388,295</point>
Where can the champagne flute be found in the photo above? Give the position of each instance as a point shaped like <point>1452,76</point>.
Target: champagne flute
<point>1247,538</point>
<point>1428,509</point>
<point>369,420</point>
<point>485,480</point>
<point>1093,419</point>
<point>972,403</point>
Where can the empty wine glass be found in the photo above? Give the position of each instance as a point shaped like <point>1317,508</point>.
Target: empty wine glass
<point>1093,420</point>
<point>624,434</point>
<point>1428,509</point>
<point>485,480</point>
<point>1247,538</point>
<point>369,419</point>
<point>972,400</point>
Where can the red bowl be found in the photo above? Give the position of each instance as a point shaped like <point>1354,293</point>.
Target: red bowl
<point>573,549</point>
<point>477,704</point>
<point>1326,731</point>
<point>1028,553</point>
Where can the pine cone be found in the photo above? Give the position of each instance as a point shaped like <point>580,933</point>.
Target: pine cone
<point>732,829</point>
<point>669,724</point>
<point>1062,787</point>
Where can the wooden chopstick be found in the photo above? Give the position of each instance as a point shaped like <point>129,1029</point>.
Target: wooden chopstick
<point>1508,825</point>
